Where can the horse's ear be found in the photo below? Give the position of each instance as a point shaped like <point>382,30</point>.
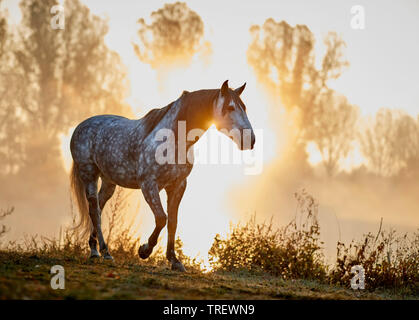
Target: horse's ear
<point>240,90</point>
<point>224,88</point>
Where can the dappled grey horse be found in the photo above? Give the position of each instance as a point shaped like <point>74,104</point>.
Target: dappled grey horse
<point>126,153</point>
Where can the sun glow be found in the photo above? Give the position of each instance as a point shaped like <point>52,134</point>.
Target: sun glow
<point>221,194</point>
<point>65,149</point>
<point>354,159</point>
<point>205,209</point>
<point>314,154</point>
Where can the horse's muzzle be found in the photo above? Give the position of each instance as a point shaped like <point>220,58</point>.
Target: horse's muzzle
<point>253,141</point>
<point>248,142</point>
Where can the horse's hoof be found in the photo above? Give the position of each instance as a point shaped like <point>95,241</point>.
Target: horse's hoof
<point>144,252</point>
<point>178,266</point>
<point>94,255</point>
<point>108,257</point>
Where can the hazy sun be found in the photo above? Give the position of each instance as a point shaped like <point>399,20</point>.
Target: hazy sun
<point>65,149</point>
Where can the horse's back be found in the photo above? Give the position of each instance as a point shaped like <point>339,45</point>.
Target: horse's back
<point>97,132</point>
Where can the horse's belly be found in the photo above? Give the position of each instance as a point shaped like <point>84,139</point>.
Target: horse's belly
<point>122,173</point>
<point>123,180</point>
<point>169,174</point>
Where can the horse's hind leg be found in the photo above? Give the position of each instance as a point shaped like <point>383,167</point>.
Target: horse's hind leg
<point>90,175</point>
<point>151,194</point>
<point>106,191</point>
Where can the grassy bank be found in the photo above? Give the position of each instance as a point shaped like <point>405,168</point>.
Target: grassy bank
<point>253,261</point>
<point>27,276</point>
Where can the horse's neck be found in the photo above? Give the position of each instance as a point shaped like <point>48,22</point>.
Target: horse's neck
<point>196,111</point>
<point>193,112</point>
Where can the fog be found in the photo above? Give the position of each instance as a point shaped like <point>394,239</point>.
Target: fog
<point>362,165</point>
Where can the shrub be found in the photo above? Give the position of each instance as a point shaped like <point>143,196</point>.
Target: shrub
<point>290,252</point>
<point>122,243</point>
<point>389,260</point>
<point>4,214</point>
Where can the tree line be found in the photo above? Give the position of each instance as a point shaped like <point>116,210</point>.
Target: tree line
<point>52,79</point>
<point>282,57</point>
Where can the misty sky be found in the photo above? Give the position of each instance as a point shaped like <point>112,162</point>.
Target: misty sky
<point>384,56</point>
<point>383,71</point>
<point>384,64</point>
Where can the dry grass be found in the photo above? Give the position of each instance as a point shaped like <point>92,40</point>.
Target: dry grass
<point>254,261</point>
<point>121,241</point>
<point>27,276</point>
<point>4,214</point>
<point>290,252</point>
<point>390,261</point>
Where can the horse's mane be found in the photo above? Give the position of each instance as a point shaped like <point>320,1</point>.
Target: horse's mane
<point>200,98</point>
<point>197,99</point>
<point>153,117</point>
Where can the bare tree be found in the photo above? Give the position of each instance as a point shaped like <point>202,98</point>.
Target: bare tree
<point>174,36</point>
<point>390,142</point>
<point>10,122</point>
<point>333,128</point>
<point>283,58</point>
<point>410,141</point>
<point>3,30</point>
<point>64,76</point>
<point>4,214</point>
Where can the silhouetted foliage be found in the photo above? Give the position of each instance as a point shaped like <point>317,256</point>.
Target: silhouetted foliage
<point>333,128</point>
<point>10,120</point>
<point>173,36</point>
<point>389,260</point>
<point>62,77</point>
<point>390,142</point>
<point>283,58</point>
<point>120,238</point>
<point>3,29</point>
<point>4,214</point>
<point>290,252</point>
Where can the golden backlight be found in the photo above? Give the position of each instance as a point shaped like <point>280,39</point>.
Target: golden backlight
<point>373,80</point>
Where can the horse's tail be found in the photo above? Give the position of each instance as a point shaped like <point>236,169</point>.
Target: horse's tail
<point>77,186</point>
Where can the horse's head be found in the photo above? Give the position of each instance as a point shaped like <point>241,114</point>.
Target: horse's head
<point>230,117</point>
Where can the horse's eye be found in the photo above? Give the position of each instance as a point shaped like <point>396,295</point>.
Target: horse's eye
<point>230,108</point>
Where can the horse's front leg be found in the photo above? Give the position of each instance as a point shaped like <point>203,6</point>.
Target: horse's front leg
<point>174,195</point>
<point>151,194</point>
